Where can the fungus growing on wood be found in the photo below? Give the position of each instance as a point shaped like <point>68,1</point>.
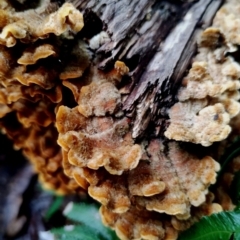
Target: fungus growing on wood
<point>64,107</point>
<point>104,93</point>
<point>194,121</point>
<point>33,54</point>
<point>101,96</point>
<point>30,88</point>
<point>206,209</point>
<point>186,178</point>
<point>208,98</point>
<point>169,181</point>
<point>133,225</point>
<point>227,20</point>
<point>97,141</point>
<point>30,25</point>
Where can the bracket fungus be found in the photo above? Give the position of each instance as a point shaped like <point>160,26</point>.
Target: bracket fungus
<point>97,141</point>
<point>31,88</point>
<point>66,114</point>
<point>208,98</point>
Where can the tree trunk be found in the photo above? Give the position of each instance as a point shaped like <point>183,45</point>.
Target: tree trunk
<point>156,40</point>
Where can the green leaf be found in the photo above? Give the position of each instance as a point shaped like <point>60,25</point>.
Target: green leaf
<point>223,225</point>
<point>55,206</point>
<point>74,232</point>
<point>90,227</point>
<point>82,213</point>
<point>236,236</point>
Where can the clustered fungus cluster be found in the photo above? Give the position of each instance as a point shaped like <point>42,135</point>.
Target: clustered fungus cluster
<point>67,117</point>
<point>31,88</point>
<point>208,98</point>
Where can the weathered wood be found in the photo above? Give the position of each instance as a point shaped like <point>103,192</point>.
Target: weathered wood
<point>157,40</point>
<point>136,28</point>
<point>165,71</point>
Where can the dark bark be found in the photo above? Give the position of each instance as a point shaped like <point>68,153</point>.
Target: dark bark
<point>159,82</point>
<point>136,28</point>
<point>157,40</point>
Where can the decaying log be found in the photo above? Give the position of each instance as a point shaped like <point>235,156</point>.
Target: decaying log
<point>157,40</point>
<point>87,96</point>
